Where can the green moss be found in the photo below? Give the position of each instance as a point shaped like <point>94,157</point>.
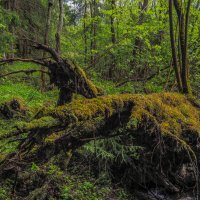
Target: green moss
<point>171,112</point>
<point>43,122</point>
<point>91,85</point>
<point>82,74</point>
<point>54,136</point>
<point>14,108</point>
<point>89,108</point>
<point>29,95</point>
<point>4,194</point>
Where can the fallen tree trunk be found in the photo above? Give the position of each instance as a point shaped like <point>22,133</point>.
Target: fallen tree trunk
<point>166,127</point>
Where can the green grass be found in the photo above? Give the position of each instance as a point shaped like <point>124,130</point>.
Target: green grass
<point>110,87</point>
<point>33,100</point>
<point>20,66</point>
<point>25,87</point>
<point>30,95</point>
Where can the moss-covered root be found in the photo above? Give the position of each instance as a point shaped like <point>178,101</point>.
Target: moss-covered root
<point>13,109</point>
<point>170,113</point>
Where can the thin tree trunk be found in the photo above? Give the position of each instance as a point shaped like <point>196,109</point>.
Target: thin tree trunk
<point>186,42</point>
<point>93,9</point>
<point>85,32</point>
<point>60,26</point>
<point>46,38</point>
<point>183,18</point>
<point>113,39</point>
<point>173,47</point>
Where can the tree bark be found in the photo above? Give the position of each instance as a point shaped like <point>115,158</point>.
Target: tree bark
<point>93,45</point>
<point>113,39</point>
<point>46,38</point>
<point>85,32</point>
<point>60,26</point>
<point>173,47</point>
<point>183,19</point>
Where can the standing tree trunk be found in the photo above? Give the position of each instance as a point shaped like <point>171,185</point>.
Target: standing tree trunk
<point>46,38</point>
<point>60,26</point>
<point>173,47</point>
<point>93,46</point>
<point>113,39</point>
<point>85,32</point>
<point>183,21</point>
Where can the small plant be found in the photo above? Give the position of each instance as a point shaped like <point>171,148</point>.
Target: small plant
<point>34,167</point>
<point>65,193</point>
<point>3,194</point>
<point>54,170</point>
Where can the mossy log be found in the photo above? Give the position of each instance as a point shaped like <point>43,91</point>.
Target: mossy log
<point>166,126</point>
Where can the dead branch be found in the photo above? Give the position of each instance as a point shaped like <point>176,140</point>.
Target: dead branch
<point>23,71</point>
<point>10,60</point>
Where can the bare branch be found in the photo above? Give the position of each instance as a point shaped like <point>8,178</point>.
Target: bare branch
<point>23,71</point>
<point>48,49</point>
<point>10,60</point>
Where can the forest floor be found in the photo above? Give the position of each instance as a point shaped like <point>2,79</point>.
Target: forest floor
<point>155,154</point>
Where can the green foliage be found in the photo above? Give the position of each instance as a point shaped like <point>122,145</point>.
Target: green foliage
<point>84,190</point>
<point>134,64</point>
<point>112,150</point>
<point>7,19</point>
<point>25,87</point>
<point>153,87</point>
<point>31,96</point>
<point>5,127</point>
<point>3,194</point>
<point>88,189</point>
<point>110,88</point>
<point>34,167</point>
<point>54,170</point>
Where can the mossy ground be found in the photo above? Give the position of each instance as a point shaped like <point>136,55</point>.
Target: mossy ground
<point>27,90</point>
<point>173,114</point>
